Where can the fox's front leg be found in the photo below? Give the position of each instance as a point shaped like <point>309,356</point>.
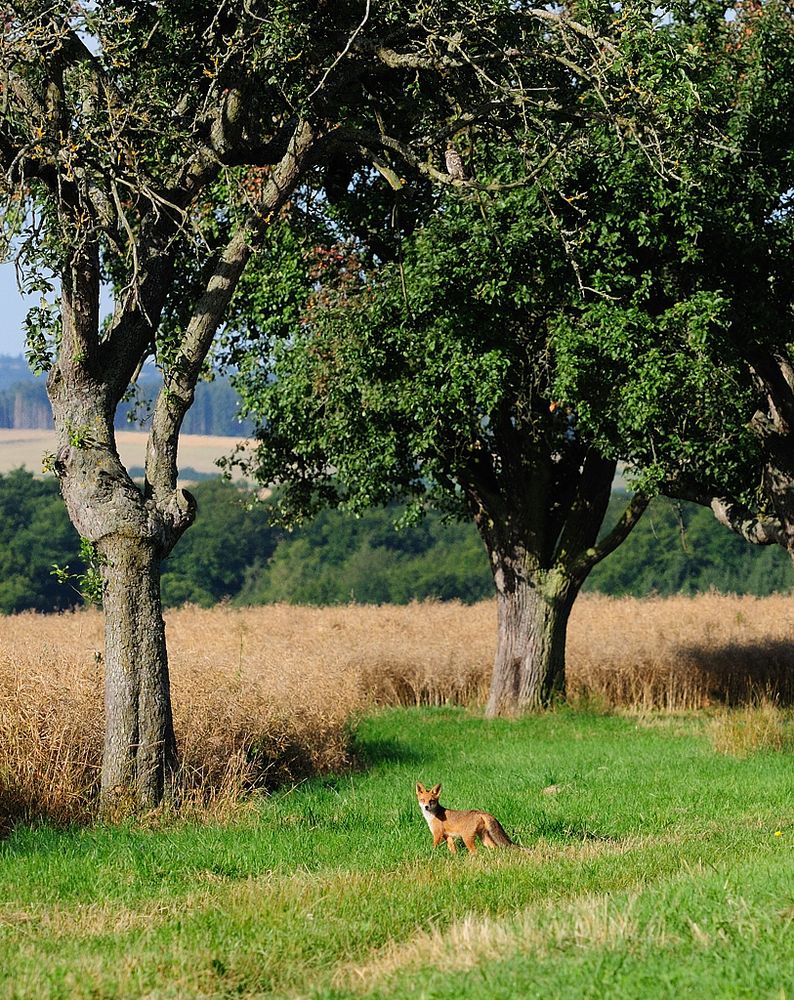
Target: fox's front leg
<point>438,836</point>
<point>451,845</point>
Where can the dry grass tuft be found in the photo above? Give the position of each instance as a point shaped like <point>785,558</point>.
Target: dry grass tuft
<point>740,732</point>
<point>268,695</point>
<point>592,921</point>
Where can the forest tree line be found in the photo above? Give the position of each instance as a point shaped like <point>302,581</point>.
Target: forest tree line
<point>24,404</point>
<point>234,553</point>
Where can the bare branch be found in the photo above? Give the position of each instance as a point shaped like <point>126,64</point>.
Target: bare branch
<point>561,20</point>
<point>730,512</point>
<point>342,54</point>
<point>176,396</point>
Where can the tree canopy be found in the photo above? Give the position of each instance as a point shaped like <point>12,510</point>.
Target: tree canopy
<point>150,147</point>
<point>427,377</point>
<point>682,364</point>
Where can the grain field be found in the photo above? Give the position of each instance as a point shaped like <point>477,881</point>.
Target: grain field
<point>269,694</point>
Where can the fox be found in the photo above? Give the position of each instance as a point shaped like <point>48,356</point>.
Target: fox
<point>469,825</point>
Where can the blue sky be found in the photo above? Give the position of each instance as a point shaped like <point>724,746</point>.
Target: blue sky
<point>12,312</point>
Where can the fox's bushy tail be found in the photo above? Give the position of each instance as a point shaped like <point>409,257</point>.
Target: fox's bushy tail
<point>497,833</point>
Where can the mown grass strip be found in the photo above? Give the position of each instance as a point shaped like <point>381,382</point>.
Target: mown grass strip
<point>318,890</point>
<point>704,933</point>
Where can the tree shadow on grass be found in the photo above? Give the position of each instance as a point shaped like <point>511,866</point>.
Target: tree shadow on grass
<point>370,752</point>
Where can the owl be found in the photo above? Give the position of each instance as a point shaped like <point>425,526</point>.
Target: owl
<point>454,162</point>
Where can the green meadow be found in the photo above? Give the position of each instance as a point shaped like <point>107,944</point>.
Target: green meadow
<point>655,867</point>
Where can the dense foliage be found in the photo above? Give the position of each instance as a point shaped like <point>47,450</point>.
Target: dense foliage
<point>230,539</point>
<point>34,533</point>
<point>678,358</point>
<point>233,553</point>
<point>337,558</point>
<point>678,548</point>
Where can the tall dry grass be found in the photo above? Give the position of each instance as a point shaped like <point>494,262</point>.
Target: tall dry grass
<point>267,695</point>
<point>682,653</point>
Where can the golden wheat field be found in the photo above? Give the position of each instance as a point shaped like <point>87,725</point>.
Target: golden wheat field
<point>24,448</point>
<point>268,694</point>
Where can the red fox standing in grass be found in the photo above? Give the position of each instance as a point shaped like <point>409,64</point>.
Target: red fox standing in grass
<point>468,824</point>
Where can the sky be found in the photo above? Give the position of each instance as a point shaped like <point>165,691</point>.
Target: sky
<point>12,312</point>
<point>14,306</point>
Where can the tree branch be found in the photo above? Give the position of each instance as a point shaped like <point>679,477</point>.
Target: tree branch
<point>731,513</point>
<point>582,511</point>
<point>619,533</point>
<point>176,396</point>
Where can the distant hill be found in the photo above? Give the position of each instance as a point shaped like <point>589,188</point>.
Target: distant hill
<point>13,370</point>
<point>24,404</point>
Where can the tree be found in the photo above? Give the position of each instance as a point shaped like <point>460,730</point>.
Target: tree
<point>211,561</point>
<point>687,371</point>
<point>150,147</point>
<point>34,534</point>
<point>429,378</point>
<point>379,395</point>
<point>641,263</point>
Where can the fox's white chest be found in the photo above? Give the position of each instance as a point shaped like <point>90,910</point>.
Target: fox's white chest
<point>429,817</point>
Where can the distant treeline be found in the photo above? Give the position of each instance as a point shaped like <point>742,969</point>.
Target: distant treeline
<point>24,404</point>
<point>233,553</point>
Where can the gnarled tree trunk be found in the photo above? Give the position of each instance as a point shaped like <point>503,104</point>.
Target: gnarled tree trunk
<point>542,541</point>
<point>131,535</point>
<point>134,529</point>
<point>139,760</point>
<point>532,610</point>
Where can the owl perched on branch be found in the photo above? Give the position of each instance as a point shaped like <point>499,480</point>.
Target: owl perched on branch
<point>454,162</point>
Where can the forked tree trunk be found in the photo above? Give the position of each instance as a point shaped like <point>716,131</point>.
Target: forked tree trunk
<point>139,760</point>
<point>529,666</point>
<point>541,535</point>
<point>131,535</point>
<point>133,529</point>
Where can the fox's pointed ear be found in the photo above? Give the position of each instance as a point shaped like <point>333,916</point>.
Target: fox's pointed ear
<point>435,790</point>
<point>420,788</point>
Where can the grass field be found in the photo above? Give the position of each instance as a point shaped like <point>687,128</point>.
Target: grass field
<point>657,867</point>
<point>657,811</point>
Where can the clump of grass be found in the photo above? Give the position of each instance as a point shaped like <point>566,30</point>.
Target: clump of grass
<point>740,732</point>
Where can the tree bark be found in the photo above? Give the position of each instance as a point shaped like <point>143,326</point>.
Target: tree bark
<point>529,665</point>
<point>139,760</point>
<point>134,529</point>
<point>131,536</point>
